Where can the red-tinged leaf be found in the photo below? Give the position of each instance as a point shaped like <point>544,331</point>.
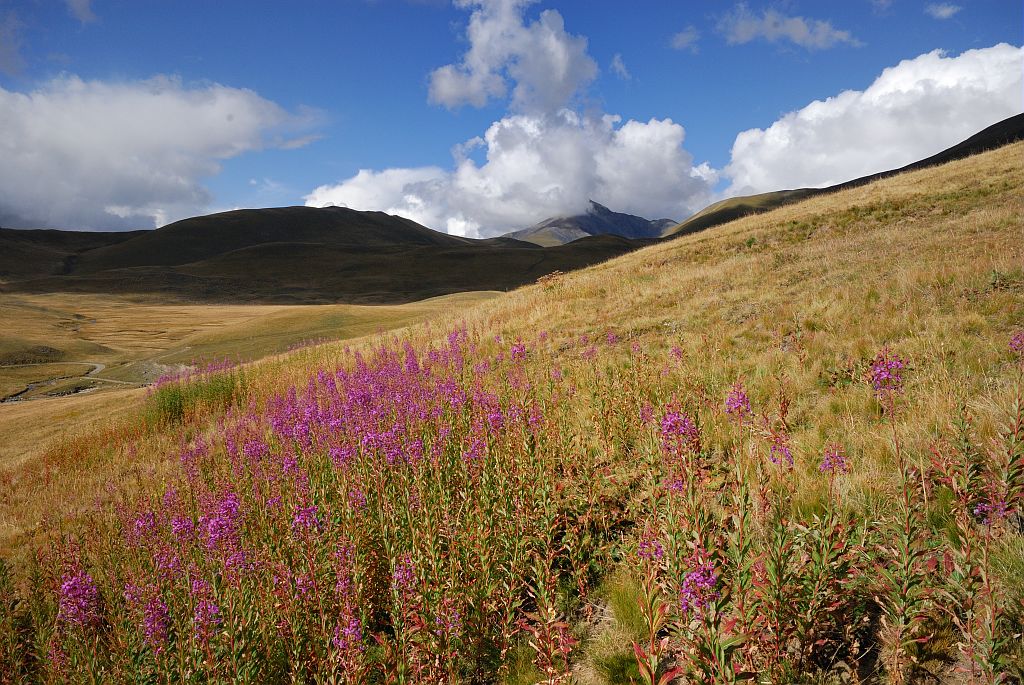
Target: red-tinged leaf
<point>669,676</point>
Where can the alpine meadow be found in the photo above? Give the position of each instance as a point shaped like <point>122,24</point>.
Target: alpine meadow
<point>776,439</point>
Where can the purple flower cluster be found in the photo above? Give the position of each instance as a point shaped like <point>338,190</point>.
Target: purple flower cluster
<point>779,450</point>
<point>834,459</point>
<point>650,549</point>
<point>697,590</point>
<point>448,620</point>
<point>206,616</point>
<point>990,512</point>
<point>404,577</point>
<point>221,525</point>
<point>306,518</point>
<point>348,635</point>
<point>1017,342</point>
<point>156,623</point>
<point>737,404</point>
<point>183,528</point>
<point>357,499</point>
<point>679,433</point>
<point>887,374</point>
<point>79,602</point>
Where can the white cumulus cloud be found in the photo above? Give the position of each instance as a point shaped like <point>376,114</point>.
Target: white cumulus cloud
<point>547,65</point>
<point>105,155</point>
<point>911,111</point>
<point>543,158</point>
<point>538,166</point>
<point>743,26</point>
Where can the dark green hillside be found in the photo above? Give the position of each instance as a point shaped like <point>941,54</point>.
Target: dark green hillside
<point>297,272</point>
<point>204,237</point>
<point>34,253</point>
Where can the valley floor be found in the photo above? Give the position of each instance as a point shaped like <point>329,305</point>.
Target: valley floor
<point>67,359</point>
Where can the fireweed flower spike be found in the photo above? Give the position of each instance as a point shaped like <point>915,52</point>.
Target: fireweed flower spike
<point>779,451</point>
<point>306,518</point>
<point>650,549</point>
<point>887,374</point>
<point>79,603</point>
<point>206,616</point>
<point>697,590</point>
<point>156,623</point>
<point>834,459</point>
<point>679,433</point>
<point>404,576</point>
<point>349,635</point>
<point>990,512</point>
<point>737,404</point>
<point>1017,344</point>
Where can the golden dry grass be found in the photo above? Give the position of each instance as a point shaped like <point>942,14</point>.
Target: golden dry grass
<point>138,340</point>
<point>49,446</point>
<point>930,263</point>
<point>796,302</point>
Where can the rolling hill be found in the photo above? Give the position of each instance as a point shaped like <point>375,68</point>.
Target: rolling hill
<point>30,253</point>
<point>597,220</point>
<point>311,255</point>
<point>999,134</point>
<point>285,255</point>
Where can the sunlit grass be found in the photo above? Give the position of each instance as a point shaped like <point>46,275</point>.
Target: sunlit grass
<point>496,480</point>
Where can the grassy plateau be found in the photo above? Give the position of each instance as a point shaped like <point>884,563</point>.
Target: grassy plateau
<point>788,449</point>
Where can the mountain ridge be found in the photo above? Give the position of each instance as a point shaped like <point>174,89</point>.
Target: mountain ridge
<point>596,220</point>
<point>285,255</point>
<point>336,254</point>
<point>1001,133</point>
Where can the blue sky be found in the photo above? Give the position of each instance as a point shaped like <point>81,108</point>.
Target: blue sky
<point>112,113</point>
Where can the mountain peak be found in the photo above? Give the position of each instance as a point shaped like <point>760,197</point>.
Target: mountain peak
<point>596,220</point>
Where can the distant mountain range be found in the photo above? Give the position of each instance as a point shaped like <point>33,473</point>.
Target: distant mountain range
<point>335,254</point>
<point>597,220</point>
<point>285,254</point>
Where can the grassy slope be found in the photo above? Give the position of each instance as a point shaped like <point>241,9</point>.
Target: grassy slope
<point>139,341</point>
<point>930,264</point>
<point>1001,133</point>
<point>733,208</point>
<point>43,252</point>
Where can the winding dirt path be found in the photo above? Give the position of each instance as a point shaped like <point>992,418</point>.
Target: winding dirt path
<point>90,374</point>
